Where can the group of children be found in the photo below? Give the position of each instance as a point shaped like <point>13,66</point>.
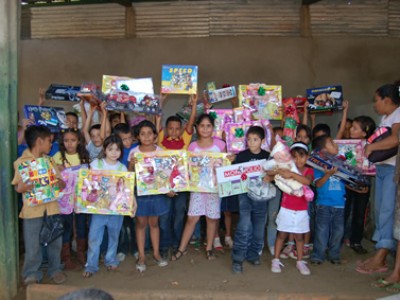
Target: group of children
<point>301,221</point>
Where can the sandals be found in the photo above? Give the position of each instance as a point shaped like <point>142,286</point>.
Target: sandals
<point>369,271</point>
<point>210,255</point>
<point>111,268</point>
<point>394,288</point>
<point>381,284</point>
<point>178,255</point>
<point>87,274</point>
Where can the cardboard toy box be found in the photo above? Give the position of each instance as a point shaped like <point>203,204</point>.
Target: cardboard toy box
<point>52,117</point>
<point>179,79</point>
<point>221,94</point>
<point>63,92</point>
<point>326,98</point>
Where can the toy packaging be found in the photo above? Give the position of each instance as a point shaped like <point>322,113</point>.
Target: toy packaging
<point>241,114</point>
<point>91,93</point>
<point>161,172</point>
<point>264,100</point>
<point>291,120</point>
<point>221,117</point>
<point>235,179</point>
<point>352,176</point>
<point>236,135</point>
<point>66,199</point>
<point>52,117</point>
<point>63,92</point>
<point>221,94</point>
<point>109,83</point>
<point>177,79</point>
<point>352,152</point>
<point>323,99</point>
<point>40,172</point>
<point>186,110</point>
<point>136,102</point>
<point>202,170</point>
<point>105,192</point>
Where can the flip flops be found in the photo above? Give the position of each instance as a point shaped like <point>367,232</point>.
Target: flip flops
<point>381,284</point>
<point>363,270</point>
<point>394,288</point>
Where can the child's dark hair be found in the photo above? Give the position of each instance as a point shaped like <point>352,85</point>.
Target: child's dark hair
<point>205,116</point>
<point>276,129</point>
<point>71,113</point>
<point>306,128</point>
<point>114,116</point>
<point>347,120</point>
<point>173,119</point>
<point>121,128</point>
<point>32,133</point>
<point>391,91</point>
<point>113,139</point>
<point>319,143</point>
<point>81,149</point>
<point>145,123</point>
<point>321,127</point>
<point>300,148</point>
<point>94,127</point>
<point>257,130</point>
<point>367,125</point>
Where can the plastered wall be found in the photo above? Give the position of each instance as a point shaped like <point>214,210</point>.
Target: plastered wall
<point>359,64</point>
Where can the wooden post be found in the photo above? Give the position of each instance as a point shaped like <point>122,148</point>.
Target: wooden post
<point>9,37</point>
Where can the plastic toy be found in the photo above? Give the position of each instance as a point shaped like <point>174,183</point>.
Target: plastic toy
<point>105,192</point>
<point>161,172</point>
<point>179,79</point>
<point>91,93</point>
<point>202,170</point>
<point>40,172</point>
<point>66,199</point>
<point>137,102</point>
<point>221,117</point>
<point>291,120</point>
<point>221,94</point>
<point>109,83</point>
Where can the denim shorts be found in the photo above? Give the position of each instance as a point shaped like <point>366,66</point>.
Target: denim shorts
<point>152,205</point>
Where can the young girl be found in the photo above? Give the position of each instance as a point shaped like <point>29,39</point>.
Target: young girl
<point>293,215</point>
<point>149,207</point>
<point>72,153</point>
<point>386,103</point>
<point>112,151</point>
<point>201,204</point>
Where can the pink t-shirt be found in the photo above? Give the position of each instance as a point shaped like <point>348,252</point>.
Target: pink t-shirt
<point>217,146</point>
<point>294,202</point>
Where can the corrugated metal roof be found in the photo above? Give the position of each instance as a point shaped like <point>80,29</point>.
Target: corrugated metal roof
<point>394,18</point>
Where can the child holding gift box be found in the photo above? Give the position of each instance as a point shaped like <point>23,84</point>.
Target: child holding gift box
<point>174,137</point>
<point>38,139</point>
<point>112,149</point>
<point>201,204</point>
<point>151,207</point>
<point>72,153</point>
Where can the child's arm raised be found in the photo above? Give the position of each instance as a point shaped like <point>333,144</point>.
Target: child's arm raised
<point>305,113</point>
<point>343,122</point>
<point>123,117</point>
<point>327,174</point>
<point>86,121</point>
<point>42,97</point>
<point>193,102</point>
<point>163,97</point>
<point>105,128</point>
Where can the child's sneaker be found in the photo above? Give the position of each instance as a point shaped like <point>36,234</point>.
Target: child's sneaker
<point>306,252</point>
<point>228,242</point>
<point>286,251</point>
<point>276,266</point>
<point>301,265</point>
<point>217,244</point>
<point>121,257</point>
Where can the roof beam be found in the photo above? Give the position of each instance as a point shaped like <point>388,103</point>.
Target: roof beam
<point>126,3</point>
<point>308,2</point>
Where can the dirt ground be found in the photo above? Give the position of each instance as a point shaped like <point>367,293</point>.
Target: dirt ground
<point>213,279</point>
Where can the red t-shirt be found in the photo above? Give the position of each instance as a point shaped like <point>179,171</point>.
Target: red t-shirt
<point>294,202</point>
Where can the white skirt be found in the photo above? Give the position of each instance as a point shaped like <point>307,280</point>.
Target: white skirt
<point>293,221</point>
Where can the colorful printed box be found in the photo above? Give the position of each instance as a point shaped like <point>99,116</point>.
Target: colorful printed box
<point>91,93</point>
<point>161,172</point>
<point>352,151</point>
<point>235,179</point>
<point>202,170</point>
<point>63,92</point>
<point>323,99</point>
<point>109,83</point>
<point>40,172</point>
<point>264,100</point>
<point>177,79</point>
<point>136,102</point>
<point>221,94</point>
<point>236,135</point>
<point>52,117</point>
<point>66,199</point>
<point>221,117</point>
<point>105,192</point>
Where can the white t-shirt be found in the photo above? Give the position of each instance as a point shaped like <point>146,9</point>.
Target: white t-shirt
<point>137,150</point>
<point>94,151</point>
<point>388,121</point>
<point>101,164</point>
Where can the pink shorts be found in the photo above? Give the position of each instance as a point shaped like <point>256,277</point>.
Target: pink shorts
<point>205,204</point>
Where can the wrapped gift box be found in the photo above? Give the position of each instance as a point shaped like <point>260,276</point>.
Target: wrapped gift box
<point>105,192</point>
<point>161,172</point>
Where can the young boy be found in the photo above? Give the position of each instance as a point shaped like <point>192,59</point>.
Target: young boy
<point>321,129</point>
<point>249,237</point>
<point>94,142</point>
<point>174,137</point>
<point>72,120</point>
<point>38,139</point>
<point>330,203</point>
